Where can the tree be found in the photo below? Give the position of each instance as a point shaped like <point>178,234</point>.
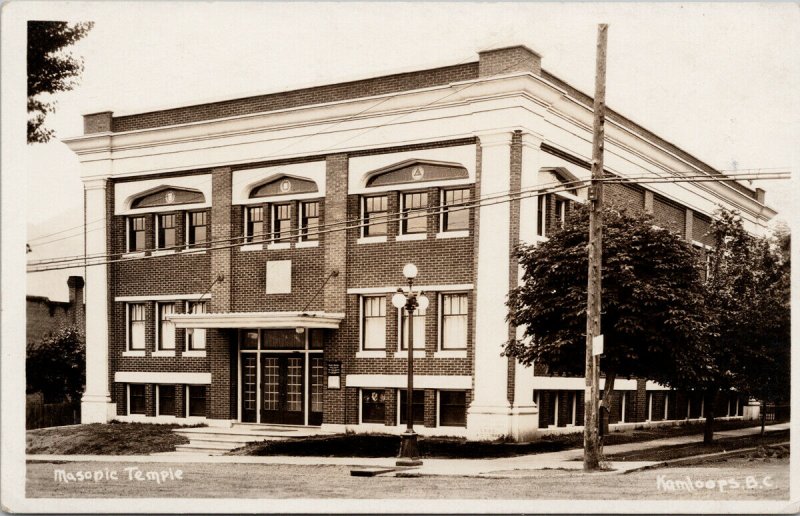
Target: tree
<point>56,366</point>
<point>747,297</point>
<point>50,69</point>
<point>652,302</point>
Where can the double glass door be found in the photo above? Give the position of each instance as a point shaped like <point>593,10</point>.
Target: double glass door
<point>281,387</point>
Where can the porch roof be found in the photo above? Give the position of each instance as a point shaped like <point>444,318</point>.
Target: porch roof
<point>325,320</point>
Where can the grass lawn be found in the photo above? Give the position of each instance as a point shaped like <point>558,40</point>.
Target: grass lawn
<point>103,439</point>
<point>385,445</point>
<point>689,450</point>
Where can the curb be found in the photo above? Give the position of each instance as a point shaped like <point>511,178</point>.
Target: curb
<point>693,458</point>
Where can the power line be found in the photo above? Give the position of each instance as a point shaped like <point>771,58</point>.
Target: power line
<point>350,224</point>
<point>506,197</point>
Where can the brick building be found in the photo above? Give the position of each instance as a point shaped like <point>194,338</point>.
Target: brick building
<point>44,317</point>
<point>260,240</point>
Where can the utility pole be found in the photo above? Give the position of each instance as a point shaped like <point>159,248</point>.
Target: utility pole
<point>591,442</point>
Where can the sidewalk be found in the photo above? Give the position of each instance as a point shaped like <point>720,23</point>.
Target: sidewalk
<point>501,467</point>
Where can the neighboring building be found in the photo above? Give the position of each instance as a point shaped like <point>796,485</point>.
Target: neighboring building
<point>247,300</point>
<point>45,317</point>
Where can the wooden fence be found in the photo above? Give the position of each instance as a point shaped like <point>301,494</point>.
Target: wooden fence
<point>39,414</point>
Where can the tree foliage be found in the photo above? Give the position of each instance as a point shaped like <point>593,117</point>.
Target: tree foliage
<point>50,69</point>
<point>748,307</point>
<point>56,366</point>
<point>652,315</point>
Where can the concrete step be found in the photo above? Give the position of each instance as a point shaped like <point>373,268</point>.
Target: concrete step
<point>206,449</point>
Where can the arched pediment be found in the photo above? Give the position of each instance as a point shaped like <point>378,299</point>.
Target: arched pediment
<point>166,195</point>
<point>283,185</point>
<point>416,171</point>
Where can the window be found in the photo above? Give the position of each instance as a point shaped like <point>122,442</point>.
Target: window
<point>413,213</point>
<point>419,329</point>
<point>136,316</point>
<point>282,222</point>
<point>136,398</point>
<point>417,406</point>
<point>375,216</point>
<point>195,337</point>
<point>373,406</point>
<point>561,212</point>
<point>196,397</point>
<point>166,328</point>
<point>452,408</point>
<point>541,213</point>
<point>166,400</point>
<point>198,228</point>
<point>455,308</point>
<point>166,231</point>
<point>374,322</point>
<point>136,234</point>
<point>255,224</point>
<point>309,221</point>
<point>455,215</point>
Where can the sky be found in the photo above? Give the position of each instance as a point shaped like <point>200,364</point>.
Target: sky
<point>718,80</point>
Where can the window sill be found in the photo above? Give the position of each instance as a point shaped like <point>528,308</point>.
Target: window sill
<point>371,354</point>
<point>195,250</point>
<point>134,254</point>
<point>411,237</point>
<point>307,243</point>
<point>252,247</point>
<point>162,252</point>
<point>279,245</point>
<point>372,240</point>
<point>170,353</point>
<point>450,354</point>
<point>194,353</point>
<point>453,234</point>
<point>404,354</point>
<point>133,353</point>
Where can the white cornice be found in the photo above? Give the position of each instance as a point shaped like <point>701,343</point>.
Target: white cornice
<point>518,90</point>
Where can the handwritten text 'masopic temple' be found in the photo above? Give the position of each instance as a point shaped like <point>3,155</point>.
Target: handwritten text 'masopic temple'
<point>129,474</point>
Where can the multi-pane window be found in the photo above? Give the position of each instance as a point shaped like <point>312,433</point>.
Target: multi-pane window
<point>374,322</point>
<point>309,220</point>
<point>136,322</point>
<point>373,406</point>
<point>455,214</point>
<point>419,328</point>
<point>196,400</point>
<point>166,400</point>
<point>195,337</point>
<point>455,308</point>
<point>541,211</point>
<point>281,222</point>
<point>413,213</point>
<point>452,408</point>
<point>255,224</point>
<point>375,215</point>
<point>136,398</point>
<point>417,407</point>
<point>166,231</point>
<point>136,234</point>
<point>166,328</point>
<point>198,228</point>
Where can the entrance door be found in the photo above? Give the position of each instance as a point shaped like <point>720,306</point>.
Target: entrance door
<point>282,388</point>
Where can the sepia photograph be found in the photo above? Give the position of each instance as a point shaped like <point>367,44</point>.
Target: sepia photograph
<point>398,257</point>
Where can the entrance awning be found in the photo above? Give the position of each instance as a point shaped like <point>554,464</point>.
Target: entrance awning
<point>325,320</point>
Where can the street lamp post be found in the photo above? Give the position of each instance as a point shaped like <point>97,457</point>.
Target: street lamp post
<point>409,452</point>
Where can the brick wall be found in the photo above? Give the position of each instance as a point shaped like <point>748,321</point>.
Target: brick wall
<point>302,97</point>
<point>508,60</point>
